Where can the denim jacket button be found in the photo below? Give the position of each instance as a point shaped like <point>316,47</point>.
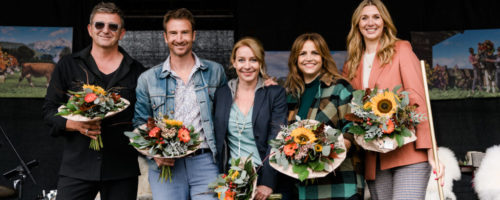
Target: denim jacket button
<point>172,92</point>
<point>171,112</point>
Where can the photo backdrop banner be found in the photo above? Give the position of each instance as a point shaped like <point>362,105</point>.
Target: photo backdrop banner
<point>28,56</point>
<point>460,64</point>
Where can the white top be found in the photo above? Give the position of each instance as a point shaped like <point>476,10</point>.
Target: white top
<point>367,67</point>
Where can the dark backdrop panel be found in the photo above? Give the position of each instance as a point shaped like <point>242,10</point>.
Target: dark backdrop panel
<point>278,23</point>
<point>22,120</point>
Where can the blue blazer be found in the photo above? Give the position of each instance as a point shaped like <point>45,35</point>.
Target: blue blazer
<point>269,112</point>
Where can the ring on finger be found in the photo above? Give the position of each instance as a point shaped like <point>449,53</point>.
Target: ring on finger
<point>86,132</point>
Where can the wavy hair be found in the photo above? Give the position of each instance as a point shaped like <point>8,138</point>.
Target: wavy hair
<point>356,45</point>
<point>257,50</point>
<point>294,83</point>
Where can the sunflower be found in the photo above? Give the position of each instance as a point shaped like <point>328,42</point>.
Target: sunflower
<point>303,135</point>
<point>172,122</point>
<point>384,104</point>
<point>367,105</point>
<point>94,88</point>
<point>318,148</point>
<point>235,175</point>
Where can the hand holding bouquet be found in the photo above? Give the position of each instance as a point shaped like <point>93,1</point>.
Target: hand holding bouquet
<point>383,120</point>
<point>164,138</point>
<point>311,148</point>
<point>90,104</point>
<point>240,182</point>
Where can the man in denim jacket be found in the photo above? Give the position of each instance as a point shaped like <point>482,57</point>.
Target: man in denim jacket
<point>182,87</point>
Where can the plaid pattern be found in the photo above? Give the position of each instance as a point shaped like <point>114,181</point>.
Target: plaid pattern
<point>330,106</point>
<point>405,182</point>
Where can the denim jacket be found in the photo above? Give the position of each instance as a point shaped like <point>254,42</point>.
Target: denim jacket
<point>156,94</point>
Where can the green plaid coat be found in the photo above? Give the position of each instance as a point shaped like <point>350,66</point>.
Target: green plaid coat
<point>330,106</point>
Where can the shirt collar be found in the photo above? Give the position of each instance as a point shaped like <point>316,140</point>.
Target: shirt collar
<point>167,68</point>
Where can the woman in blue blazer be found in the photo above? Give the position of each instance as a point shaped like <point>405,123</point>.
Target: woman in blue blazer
<point>248,115</point>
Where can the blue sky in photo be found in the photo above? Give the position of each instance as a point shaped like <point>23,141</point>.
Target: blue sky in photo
<point>455,50</point>
<point>30,34</point>
<point>277,62</point>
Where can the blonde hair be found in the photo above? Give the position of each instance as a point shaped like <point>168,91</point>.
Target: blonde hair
<point>295,81</point>
<point>257,50</point>
<point>356,44</point>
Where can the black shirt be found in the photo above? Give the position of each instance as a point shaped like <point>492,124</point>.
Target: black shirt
<point>117,159</point>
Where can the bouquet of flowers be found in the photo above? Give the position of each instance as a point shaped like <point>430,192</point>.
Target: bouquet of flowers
<point>90,104</point>
<point>240,182</point>
<point>311,148</point>
<point>383,119</point>
<point>164,138</point>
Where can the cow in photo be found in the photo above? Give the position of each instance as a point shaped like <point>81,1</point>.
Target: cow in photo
<point>36,70</point>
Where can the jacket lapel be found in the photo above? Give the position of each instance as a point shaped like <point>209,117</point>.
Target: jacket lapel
<point>257,104</point>
<point>377,69</point>
<point>228,102</point>
<point>358,80</point>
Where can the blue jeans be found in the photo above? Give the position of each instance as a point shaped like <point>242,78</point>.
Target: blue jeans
<point>190,178</point>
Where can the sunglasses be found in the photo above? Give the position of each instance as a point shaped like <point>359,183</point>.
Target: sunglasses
<point>111,26</point>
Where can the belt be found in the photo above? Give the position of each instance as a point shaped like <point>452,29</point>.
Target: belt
<point>199,152</point>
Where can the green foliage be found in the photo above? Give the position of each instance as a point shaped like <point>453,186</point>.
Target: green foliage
<point>358,130</point>
<point>301,170</point>
<point>240,179</point>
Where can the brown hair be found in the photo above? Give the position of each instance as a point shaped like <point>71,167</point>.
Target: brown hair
<point>181,13</point>
<point>107,7</point>
<point>257,50</point>
<point>356,44</point>
<point>295,81</point>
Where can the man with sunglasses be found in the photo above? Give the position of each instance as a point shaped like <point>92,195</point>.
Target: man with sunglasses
<point>183,88</point>
<point>113,169</point>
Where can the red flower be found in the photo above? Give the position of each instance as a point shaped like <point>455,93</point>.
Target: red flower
<point>155,132</point>
<point>90,97</point>
<point>115,97</point>
<point>229,195</point>
<point>333,155</point>
<point>289,149</point>
<point>183,135</point>
<point>390,127</point>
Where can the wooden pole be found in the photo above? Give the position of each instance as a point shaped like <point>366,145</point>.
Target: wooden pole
<point>431,123</point>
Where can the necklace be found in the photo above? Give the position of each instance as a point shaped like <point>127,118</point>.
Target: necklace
<point>240,126</point>
<point>368,59</point>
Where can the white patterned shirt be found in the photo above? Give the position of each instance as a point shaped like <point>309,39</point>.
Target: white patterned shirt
<point>187,108</point>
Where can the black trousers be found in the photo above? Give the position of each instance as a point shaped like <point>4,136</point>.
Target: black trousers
<point>76,189</point>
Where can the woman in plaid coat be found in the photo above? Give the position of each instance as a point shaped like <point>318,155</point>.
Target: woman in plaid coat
<point>316,90</point>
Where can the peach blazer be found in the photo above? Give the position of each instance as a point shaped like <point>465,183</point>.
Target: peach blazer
<point>403,70</point>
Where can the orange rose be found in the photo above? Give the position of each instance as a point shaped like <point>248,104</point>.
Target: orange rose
<point>390,127</point>
<point>90,97</point>
<point>289,149</point>
<point>229,195</point>
<point>183,135</point>
<point>155,132</point>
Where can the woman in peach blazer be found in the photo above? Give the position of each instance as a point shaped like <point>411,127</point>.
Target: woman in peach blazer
<point>378,59</point>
